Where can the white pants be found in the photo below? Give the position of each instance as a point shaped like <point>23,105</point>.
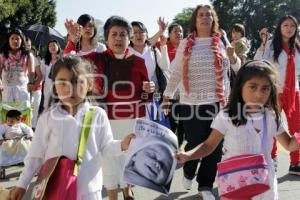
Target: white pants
<point>91,196</point>
<point>15,93</point>
<point>113,165</point>
<point>35,104</point>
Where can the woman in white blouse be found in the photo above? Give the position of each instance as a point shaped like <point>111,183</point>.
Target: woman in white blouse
<point>200,72</point>
<point>140,46</point>
<point>284,52</point>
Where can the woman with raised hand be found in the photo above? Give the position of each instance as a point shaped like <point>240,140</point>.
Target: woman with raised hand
<point>82,36</point>
<point>140,46</point>
<point>123,88</point>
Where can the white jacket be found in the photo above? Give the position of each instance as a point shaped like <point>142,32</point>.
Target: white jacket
<point>57,134</point>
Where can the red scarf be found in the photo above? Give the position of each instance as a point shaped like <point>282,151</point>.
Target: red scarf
<point>17,59</point>
<point>288,95</point>
<point>217,62</point>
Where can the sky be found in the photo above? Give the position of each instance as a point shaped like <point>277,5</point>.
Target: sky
<point>146,11</point>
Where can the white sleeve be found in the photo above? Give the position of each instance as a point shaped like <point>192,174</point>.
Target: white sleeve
<point>283,127</point>
<point>236,66</point>
<point>35,157</point>
<point>2,131</point>
<point>26,130</point>
<point>175,77</point>
<point>258,55</point>
<point>163,58</point>
<point>32,165</point>
<point>268,53</point>
<point>43,69</point>
<point>220,122</point>
<point>107,145</point>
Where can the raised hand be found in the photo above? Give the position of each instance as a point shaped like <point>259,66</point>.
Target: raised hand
<point>231,54</point>
<point>162,24</point>
<point>74,30</point>
<point>126,141</point>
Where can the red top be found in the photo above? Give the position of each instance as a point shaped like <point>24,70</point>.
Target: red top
<point>69,47</point>
<point>127,103</point>
<point>171,50</point>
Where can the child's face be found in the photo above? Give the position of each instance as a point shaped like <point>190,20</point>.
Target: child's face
<point>10,121</point>
<point>154,163</point>
<point>70,92</point>
<point>256,92</point>
<point>236,35</point>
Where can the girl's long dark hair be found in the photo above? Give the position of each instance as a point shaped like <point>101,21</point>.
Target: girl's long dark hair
<point>83,20</point>
<point>277,40</point>
<point>48,55</point>
<point>6,48</point>
<point>236,105</point>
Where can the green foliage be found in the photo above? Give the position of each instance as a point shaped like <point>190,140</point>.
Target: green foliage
<point>254,14</point>
<point>22,13</point>
<point>184,19</point>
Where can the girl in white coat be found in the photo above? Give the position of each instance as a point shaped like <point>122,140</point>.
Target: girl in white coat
<point>241,123</point>
<point>58,132</point>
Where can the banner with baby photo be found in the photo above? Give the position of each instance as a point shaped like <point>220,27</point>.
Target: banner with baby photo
<point>150,161</point>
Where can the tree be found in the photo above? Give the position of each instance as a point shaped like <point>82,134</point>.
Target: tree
<point>184,18</point>
<point>22,13</point>
<point>254,14</point>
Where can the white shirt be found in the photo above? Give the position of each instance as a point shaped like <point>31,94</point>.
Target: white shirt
<point>247,138</point>
<point>148,55</point>
<point>281,64</point>
<point>99,48</point>
<point>45,70</point>
<point>57,134</point>
<point>19,129</point>
<point>201,73</point>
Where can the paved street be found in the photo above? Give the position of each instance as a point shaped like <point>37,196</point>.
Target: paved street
<point>289,186</point>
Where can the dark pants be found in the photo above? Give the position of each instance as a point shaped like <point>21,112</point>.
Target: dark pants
<point>197,129</point>
<point>175,122</point>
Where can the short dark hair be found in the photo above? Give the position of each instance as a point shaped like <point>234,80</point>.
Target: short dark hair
<point>14,114</point>
<point>84,19</point>
<point>116,21</point>
<point>140,25</point>
<point>239,28</point>
<point>173,25</point>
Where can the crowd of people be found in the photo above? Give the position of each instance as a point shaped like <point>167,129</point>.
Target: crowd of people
<point>215,96</point>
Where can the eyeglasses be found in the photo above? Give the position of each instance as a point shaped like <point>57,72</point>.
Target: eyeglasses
<point>208,14</point>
